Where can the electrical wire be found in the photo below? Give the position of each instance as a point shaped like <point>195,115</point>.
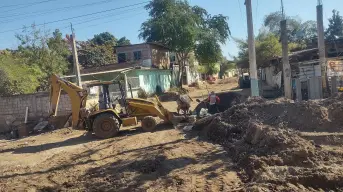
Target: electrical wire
<point>240,9</point>
<point>96,17</point>
<point>34,3</point>
<point>27,5</point>
<point>102,17</point>
<point>121,18</point>
<point>80,16</point>
<point>38,13</point>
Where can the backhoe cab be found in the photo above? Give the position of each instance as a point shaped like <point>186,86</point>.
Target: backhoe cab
<point>106,121</point>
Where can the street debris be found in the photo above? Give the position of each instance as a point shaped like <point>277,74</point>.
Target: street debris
<point>188,128</point>
<point>262,138</point>
<point>41,125</point>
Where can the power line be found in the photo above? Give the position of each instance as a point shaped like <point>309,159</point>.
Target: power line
<point>240,9</point>
<point>282,10</point>
<point>104,16</point>
<point>34,3</point>
<point>121,18</point>
<point>37,13</point>
<point>101,2</point>
<point>27,5</point>
<point>89,14</point>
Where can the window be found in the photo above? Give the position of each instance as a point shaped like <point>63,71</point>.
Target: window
<point>122,57</point>
<point>172,58</point>
<point>137,55</point>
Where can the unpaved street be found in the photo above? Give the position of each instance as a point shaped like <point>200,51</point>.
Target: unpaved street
<point>134,161</point>
<point>71,160</point>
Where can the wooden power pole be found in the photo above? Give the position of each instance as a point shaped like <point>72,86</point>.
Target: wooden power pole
<point>321,48</point>
<point>75,58</point>
<point>285,59</point>
<point>252,54</point>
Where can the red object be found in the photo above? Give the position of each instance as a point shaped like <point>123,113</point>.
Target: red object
<point>217,99</point>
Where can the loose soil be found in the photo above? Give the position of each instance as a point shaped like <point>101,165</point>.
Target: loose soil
<point>264,139</point>
<point>71,160</point>
<point>258,145</point>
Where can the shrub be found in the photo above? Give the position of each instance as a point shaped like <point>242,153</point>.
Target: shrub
<point>142,94</point>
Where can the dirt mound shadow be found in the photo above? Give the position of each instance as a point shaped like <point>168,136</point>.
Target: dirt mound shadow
<point>261,137</point>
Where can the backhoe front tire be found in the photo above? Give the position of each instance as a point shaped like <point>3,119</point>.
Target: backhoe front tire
<point>149,123</point>
<point>106,126</point>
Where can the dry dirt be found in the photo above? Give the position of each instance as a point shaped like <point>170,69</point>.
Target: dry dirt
<point>258,146</point>
<point>277,145</point>
<point>164,160</point>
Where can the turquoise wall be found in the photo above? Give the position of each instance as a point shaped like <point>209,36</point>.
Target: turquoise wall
<point>149,79</point>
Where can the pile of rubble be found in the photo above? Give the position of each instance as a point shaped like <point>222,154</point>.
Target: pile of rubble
<point>262,138</point>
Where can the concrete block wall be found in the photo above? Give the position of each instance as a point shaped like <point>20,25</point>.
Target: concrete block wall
<point>14,107</point>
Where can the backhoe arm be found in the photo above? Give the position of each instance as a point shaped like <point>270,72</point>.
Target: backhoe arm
<point>77,95</point>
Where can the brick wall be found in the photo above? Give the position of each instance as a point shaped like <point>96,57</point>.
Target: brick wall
<point>13,108</point>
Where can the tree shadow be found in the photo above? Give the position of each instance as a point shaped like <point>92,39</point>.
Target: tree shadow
<point>150,168</point>
<point>85,138</point>
<point>134,169</point>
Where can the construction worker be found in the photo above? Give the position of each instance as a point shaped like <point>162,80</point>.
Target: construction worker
<point>213,100</point>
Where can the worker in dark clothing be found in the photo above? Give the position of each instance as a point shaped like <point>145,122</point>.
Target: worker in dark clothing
<point>213,100</point>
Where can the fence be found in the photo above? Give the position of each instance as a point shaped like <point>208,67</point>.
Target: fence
<point>13,108</point>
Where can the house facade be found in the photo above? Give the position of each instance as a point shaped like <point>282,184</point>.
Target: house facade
<point>190,73</point>
<point>152,55</point>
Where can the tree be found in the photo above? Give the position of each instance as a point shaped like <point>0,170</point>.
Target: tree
<point>267,47</point>
<point>93,55</point>
<point>123,41</point>
<point>335,28</point>
<point>104,38</point>
<point>40,51</point>
<point>17,77</point>
<point>225,66</point>
<point>59,45</point>
<point>181,27</point>
<point>298,31</point>
<point>209,69</point>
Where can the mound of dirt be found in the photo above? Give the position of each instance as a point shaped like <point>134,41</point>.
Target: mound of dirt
<point>262,139</point>
<point>168,96</point>
<point>227,100</point>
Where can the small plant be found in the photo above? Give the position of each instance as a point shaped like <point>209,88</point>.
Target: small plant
<point>142,94</point>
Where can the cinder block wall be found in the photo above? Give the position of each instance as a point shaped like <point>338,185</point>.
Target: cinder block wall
<point>14,107</point>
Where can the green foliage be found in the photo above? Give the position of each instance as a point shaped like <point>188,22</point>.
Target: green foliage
<point>123,41</point>
<point>225,66</point>
<point>208,50</point>
<point>209,69</point>
<point>100,50</point>
<point>93,55</point>
<point>142,94</point>
<point>267,47</point>
<point>298,31</point>
<point>335,28</point>
<point>39,51</point>
<point>185,29</point>
<point>17,77</point>
<point>104,38</point>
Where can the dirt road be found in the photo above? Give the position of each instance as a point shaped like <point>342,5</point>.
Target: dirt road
<point>165,160</point>
<point>134,161</point>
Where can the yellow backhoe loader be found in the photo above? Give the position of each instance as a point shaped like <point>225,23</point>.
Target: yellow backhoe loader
<point>106,121</point>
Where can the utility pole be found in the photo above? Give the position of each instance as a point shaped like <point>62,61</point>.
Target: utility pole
<point>75,57</point>
<point>321,48</point>
<point>285,59</point>
<point>252,54</point>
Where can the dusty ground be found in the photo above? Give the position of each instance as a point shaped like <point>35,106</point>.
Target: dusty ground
<point>165,160</point>
<point>264,146</point>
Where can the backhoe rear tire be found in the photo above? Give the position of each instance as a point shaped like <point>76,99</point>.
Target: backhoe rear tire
<point>106,126</point>
<point>149,123</point>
